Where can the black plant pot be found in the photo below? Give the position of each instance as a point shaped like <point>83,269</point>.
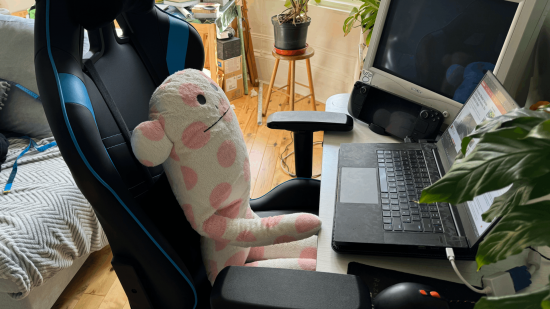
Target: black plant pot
<point>289,36</point>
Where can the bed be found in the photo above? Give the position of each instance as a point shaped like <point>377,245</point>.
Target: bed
<point>47,228</point>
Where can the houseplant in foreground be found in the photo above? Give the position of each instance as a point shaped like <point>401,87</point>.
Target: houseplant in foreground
<point>513,149</point>
<point>291,25</point>
<point>366,14</point>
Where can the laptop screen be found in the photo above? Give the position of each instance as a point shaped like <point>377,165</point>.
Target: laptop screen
<point>488,100</point>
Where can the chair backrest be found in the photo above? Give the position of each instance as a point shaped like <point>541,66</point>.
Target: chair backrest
<point>156,254</point>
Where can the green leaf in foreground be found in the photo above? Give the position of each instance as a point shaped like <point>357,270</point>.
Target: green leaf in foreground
<point>520,193</point>
<point>523,301</point>
<point>524,226</point>
<point>497,161</point>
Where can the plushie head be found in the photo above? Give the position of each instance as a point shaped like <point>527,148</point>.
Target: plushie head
<point>188,110</point>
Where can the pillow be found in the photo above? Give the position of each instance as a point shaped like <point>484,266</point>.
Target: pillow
<point>21,113</point>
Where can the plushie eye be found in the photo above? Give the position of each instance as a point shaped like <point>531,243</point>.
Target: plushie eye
<point>214,86</point>
<point>201,99</point>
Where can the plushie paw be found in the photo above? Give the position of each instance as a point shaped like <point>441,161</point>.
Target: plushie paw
<point>308,223</point>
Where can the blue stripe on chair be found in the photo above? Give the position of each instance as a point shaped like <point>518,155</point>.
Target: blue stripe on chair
<point>32,94</point>
<point>74,91</point>
<point>178,37</point>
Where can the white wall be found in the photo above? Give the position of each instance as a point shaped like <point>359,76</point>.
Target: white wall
<point>16,5</point>
<point>335,59</point>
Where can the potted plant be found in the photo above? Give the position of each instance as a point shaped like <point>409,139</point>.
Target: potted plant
<point>513,149</point>
<point>291,25</point>
<point>366,14</point>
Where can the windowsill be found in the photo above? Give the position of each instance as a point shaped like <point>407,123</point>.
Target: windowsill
<point>341,6</point>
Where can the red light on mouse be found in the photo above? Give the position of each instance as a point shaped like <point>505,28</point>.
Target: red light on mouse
<point>435,294</point>
<point>423,292</point>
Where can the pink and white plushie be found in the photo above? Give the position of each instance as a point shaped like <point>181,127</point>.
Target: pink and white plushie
<point>195,135</point>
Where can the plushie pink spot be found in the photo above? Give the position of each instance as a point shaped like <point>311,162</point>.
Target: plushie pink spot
<point>147,163</point>
<point>227,153</point>
<point>224,106</point>
<point>174,155</point>
<point>249,214</point>
<point>246,169</point>
<point>307,264</point>
<point>256,253</point>
<point>194,136</point>
<point>152,130</point>
<point>253,264</point>
<point>283,239</point>
<point>231,210</point>
<point>162,121</point>
<point>221,244</point>
<point>215,227</point>
<point>237,259</point>
<point>309,253</point>
<point>305,223</point>
<point>246,236</point>
<point>271,221</point>
<point>189,93</point>
<point>188,211</point>
<point>190,177</point>
<point>219,194</point>
<point>213,269</point>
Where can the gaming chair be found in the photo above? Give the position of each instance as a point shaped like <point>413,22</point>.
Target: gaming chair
<point>94,101</point>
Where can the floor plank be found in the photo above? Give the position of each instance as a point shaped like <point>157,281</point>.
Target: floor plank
<point>96,286</point>
<point>83,278</point>
<point>115,298</point>
<point>89,301</point>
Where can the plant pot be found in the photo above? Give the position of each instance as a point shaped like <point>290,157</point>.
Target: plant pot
<point>289,36</point>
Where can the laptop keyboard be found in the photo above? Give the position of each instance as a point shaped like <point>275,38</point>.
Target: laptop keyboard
<point>403,174</point>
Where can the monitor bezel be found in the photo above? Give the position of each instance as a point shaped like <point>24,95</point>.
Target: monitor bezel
<point>398,86</point>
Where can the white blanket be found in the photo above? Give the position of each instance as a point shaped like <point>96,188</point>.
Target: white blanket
<point>45,221</point>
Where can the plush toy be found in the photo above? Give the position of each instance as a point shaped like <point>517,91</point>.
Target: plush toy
<point>467,78</point>
<point>195,135</point>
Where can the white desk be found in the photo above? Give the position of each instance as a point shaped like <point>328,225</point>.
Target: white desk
<point>330,261</point>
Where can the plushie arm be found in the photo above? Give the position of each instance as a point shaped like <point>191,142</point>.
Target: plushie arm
<point>150,144</point>
<point>256,232</point>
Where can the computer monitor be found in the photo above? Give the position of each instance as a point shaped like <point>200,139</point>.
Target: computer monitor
<point>435,52</point>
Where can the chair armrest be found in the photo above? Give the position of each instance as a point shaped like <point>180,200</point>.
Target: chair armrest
<point>303,124</point>
<point>256,287</point>
<point>310,121</point>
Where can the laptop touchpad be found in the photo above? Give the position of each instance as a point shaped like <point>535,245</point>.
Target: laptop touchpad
<point>358,185</point>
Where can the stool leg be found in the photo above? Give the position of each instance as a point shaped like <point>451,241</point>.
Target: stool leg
<point>292,75</point>
<point>310,78</point>
<point>288,84</point>
<point>266,104</point>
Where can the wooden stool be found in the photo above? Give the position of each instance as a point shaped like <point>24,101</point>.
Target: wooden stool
<point>290,82</point>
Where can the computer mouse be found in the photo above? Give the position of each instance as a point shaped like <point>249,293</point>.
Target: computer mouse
<point>409,295</point>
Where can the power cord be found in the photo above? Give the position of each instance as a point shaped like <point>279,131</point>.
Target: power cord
<point>284,166</point>
<point>451,257</point>
<point>504,282</point>
<point>541,255</point>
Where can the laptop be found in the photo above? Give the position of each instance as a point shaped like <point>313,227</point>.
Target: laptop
<point>377,185</point>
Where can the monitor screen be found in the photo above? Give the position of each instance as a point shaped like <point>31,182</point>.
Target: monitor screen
<point>445,46</point>
<point>488,100</point>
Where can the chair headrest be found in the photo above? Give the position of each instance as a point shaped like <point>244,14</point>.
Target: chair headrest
<point>94,14</point>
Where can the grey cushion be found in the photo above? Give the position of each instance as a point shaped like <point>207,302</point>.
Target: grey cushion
<point>21,113</point>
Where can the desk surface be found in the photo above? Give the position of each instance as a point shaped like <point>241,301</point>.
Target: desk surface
<point>330,261</point>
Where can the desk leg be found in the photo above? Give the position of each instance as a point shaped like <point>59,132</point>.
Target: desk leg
<point>213,52</point>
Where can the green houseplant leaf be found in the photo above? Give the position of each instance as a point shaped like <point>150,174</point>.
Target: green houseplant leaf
<point>523,226</point>
<point>519,194</point>
<point>523,301</point>
<point>497,161</point>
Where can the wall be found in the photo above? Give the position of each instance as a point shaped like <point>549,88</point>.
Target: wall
<point>16,5</point>
<point>335,60</point>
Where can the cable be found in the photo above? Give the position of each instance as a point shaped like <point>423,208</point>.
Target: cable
<point>283,160</point>
<point>451,257</point>
<point>541,255</point>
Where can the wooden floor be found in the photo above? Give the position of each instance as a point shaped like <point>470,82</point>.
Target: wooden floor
<point>96,285</point>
